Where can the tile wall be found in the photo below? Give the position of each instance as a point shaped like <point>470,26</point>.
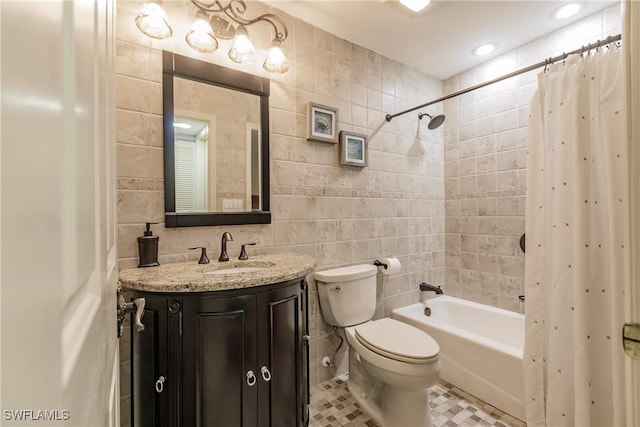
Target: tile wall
<point>339,215</point>
<point>485,141</point>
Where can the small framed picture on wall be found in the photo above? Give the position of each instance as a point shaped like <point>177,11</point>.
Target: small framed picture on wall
<point>353,149</point>
<point>323,123</point>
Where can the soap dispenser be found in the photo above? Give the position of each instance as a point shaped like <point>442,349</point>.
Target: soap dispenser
<point>148,248</point>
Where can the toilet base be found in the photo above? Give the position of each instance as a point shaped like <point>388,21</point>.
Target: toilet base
<point>399,408</point>
<point>387,405</point>
<point>368,403</point>
<point>405,408</point>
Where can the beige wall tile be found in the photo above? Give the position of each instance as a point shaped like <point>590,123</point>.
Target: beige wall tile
<point>487,207</point>
<point>486,183</point>
<point>508,206</point>
<point>507,160</point>
<point>468,184</point>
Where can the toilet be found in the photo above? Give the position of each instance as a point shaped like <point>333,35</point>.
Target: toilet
<point>391,364</point>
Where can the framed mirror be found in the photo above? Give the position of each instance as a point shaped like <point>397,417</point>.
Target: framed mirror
<point>216,144</point>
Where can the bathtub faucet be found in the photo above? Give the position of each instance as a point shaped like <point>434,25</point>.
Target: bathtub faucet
<point>427,287</point>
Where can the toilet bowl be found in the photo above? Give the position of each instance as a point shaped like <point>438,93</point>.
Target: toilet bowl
<point>391,364</point>
<point>404,360</point>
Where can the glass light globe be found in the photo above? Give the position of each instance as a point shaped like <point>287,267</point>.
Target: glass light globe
<point>242,50</point>
<point>276,61</point>
<point>153,21</point>
<point>200,36</point>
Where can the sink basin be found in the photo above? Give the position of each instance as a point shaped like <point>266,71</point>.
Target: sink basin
<point>236,270</point>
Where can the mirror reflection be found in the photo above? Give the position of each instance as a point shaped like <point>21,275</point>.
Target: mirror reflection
<point>216,144</point>
<point>217,148</point>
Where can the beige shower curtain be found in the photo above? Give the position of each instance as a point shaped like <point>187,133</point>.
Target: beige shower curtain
<point>577,257</point>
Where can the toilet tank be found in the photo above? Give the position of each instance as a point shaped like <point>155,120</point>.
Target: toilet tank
<point>347,294</point>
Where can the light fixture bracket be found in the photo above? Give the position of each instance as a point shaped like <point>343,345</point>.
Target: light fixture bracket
<point>222,18</point>
<point>222,28</point>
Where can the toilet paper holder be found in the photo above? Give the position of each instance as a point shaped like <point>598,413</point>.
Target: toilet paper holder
<point>378,263</point>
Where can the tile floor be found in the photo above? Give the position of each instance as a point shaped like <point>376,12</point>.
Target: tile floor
<point>332,406</point>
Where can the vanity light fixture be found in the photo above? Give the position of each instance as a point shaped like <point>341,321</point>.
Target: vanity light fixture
<point>415,5</point>
<point>215,21</point>
<point>567,10</point>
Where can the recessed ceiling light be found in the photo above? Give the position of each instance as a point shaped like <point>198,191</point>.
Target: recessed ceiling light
<point>182,125</point>
<point>566,11</point>
<point>484,49</point>
<point>415,5</point>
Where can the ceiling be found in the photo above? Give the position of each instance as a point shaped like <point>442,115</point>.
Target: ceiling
<point>439,40</point>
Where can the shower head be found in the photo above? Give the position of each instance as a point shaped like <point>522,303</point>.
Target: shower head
<point>434,122</point>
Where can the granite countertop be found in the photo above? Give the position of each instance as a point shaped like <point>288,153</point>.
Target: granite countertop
<point>192,277</point>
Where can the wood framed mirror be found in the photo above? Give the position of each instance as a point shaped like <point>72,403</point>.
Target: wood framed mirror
<point>216,144</point>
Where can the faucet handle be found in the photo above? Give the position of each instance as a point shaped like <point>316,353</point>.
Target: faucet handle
<point>243,250</point>
<point>204,259</point>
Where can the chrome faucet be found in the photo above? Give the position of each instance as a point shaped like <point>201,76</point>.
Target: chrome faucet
<point>226,236</point>
<point>427,287</point>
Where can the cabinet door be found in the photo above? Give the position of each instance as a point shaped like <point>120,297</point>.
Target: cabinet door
<point>282,356</point>
<point>149,361</point>
<point>219,350</point>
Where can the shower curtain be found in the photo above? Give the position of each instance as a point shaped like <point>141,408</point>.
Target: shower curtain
<point>577,259</point>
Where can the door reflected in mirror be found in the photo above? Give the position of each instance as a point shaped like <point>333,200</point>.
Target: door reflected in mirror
<point>217,148</point>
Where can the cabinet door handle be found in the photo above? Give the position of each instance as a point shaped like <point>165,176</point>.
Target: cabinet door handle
<point>160,384</point>
<point>251,379</point>
<point>266,375</point>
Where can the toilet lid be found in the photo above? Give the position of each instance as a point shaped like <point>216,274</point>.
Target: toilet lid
<point>397,340</point>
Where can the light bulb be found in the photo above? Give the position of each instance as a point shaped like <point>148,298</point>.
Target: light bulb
<point>153,21</point>
<point>415,5</point>
<point>566,11</point>
<point>484,49</point>
<point>200,36</point>
<point>276,61</point>
<point>242,50</point>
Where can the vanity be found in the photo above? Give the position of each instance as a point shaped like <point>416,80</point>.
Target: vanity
<point>224,343</point>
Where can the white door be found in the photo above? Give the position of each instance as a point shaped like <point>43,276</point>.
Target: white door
<point>631,37</point>
<point>57,218</point>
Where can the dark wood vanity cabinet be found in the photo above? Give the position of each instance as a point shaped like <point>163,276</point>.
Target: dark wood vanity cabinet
<point>234,358</point>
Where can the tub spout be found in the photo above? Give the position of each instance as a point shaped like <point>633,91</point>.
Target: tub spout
<point>427,287</point>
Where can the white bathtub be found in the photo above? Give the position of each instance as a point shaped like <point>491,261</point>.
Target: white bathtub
<point>480,348</point>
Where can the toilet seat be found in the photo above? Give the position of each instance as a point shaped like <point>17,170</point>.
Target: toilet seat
<point>398,341</point>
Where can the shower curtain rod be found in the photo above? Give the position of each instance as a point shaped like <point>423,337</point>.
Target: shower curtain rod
<point>546,62</point>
